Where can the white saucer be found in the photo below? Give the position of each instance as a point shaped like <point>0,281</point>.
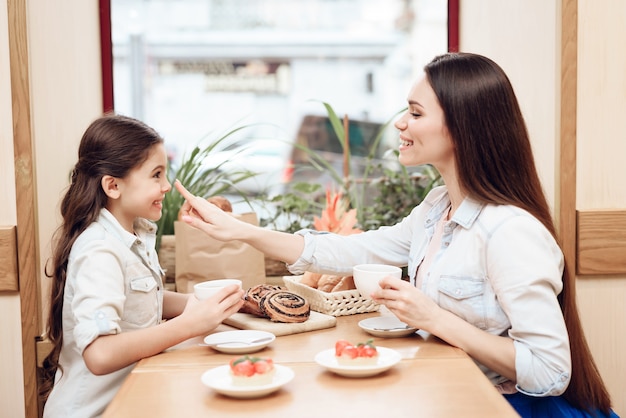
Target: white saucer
<point>387,358</point>
<point>220,380</point>
<point>386,327</point>
<point>230,338</point>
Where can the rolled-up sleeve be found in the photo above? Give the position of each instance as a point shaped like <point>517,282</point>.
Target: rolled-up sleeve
<point>535,376</point>
<point>525,265</point>
<point>98,292</point>
<point>336,254</point>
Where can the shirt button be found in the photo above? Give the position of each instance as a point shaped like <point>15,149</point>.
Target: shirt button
<point>458,291</point>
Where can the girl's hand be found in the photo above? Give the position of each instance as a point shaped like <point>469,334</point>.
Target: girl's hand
<point>203,316</point>
<point>408,303</point>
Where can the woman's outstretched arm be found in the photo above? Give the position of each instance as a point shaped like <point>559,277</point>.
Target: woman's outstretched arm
<point>199,213</point>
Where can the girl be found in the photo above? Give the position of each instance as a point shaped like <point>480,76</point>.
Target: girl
<point>486,272</point>
<point>107,297</point>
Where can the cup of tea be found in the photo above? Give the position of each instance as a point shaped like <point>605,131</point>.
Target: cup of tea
<point>367,276</point>
<point>205,290</point>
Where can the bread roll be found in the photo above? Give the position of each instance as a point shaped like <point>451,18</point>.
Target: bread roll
<point>346,283</point>
<point>221,202</point>
<point>310,279</point>
<point>328,282</point>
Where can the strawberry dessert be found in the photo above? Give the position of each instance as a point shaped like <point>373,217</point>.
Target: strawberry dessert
<point>252,371</point>
<point>361,354</point>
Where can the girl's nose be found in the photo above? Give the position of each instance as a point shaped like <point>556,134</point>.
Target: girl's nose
<point>167,186</point>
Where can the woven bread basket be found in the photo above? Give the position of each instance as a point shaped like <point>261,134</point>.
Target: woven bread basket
<point>345,302</point>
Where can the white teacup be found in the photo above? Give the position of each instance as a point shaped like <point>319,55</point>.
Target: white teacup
<point>205,290</point>
<point>367,276</point>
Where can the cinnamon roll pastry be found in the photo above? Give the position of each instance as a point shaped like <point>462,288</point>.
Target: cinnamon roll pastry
<point>285,306</point>
<point>252,299</point>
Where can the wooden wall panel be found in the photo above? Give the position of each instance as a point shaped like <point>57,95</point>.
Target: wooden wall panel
<point>601,242</point>
<point>566,169</point>
<point>25,196</point>
<point>8,259</point>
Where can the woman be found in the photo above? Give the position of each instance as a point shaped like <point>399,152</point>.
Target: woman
<point>486,272</point>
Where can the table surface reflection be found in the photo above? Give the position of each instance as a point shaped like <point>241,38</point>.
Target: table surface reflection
<point>433,379</point>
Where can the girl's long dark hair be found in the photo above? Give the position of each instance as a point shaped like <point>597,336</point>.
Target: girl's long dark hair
<point>496,165</point>
<point>112,145</point>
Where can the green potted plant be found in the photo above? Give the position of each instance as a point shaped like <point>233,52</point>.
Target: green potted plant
<point>200,181</point>
<point>381,196</point>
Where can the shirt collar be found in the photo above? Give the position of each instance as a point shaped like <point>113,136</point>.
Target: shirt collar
<point>467,212</point>
<point>144,229</point>
<point>465,215</point>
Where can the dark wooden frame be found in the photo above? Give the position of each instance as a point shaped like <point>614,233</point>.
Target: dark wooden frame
<point>106,55</point>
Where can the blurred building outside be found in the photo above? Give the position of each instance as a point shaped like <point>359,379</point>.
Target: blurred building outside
<point>191,67</point>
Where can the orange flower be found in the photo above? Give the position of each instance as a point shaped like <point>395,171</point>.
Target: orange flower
<point>336,217</point>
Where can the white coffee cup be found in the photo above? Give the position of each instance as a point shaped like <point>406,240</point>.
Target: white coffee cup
<point>367,276</point>
<point>205,290</point>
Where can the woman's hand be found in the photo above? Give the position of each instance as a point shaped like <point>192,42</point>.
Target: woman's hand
<point>199,213</point>
<point>207,217</point>
<point>416,309</point>
<point>408,303</point>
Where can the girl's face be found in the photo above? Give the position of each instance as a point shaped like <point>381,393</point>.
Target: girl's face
<point>143,189</point>
<point>424,138</point>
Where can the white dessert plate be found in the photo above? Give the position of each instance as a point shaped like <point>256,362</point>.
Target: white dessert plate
<point>240,341</point>
<point>220,380</point>
<point>386,327</point>
<point>387,358</point>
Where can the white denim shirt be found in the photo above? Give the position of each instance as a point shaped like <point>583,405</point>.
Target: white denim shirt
<point>114,285</point>
<point>498,268</point>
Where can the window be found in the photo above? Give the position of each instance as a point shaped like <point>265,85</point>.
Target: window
<point>188,67</point>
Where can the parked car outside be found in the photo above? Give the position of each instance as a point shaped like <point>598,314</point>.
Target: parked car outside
<point>313,155</point>
<point>264,160</point>
<point>317,144</point>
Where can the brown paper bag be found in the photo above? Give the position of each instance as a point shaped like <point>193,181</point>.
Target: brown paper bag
<point>200,258</point>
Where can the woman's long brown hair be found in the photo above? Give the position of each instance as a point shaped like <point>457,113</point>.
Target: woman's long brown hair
<point>112,145</point>
<point>496,165</point>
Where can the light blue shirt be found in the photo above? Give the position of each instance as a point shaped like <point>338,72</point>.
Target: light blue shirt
<point>498,268</point>
<point>114,285</point>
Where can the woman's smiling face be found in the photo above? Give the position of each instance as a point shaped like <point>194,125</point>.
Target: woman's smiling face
<point>424,137</point>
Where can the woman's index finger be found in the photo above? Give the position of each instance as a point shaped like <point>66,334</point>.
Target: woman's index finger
<point>181,189</point>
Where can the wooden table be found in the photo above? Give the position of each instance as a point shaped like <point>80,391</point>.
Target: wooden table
<point>432,380</point>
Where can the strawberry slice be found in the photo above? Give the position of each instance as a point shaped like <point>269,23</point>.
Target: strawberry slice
<point>242,367</point>
<point>340,345</point>
<point>350,351</point>
<point>263,365</point>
